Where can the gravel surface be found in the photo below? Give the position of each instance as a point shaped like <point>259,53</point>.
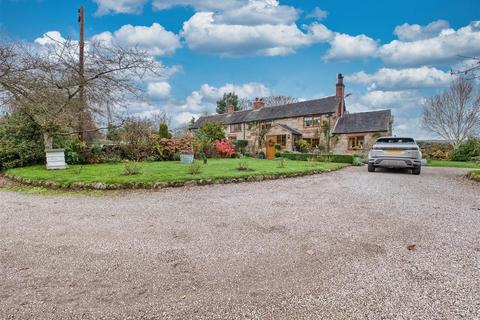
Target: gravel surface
<point>341,245</point>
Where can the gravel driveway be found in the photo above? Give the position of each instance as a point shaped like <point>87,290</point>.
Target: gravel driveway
<point>330,246</point>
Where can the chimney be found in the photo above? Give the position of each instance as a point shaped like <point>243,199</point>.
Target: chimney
<point>340,86</point>
<point>258,104</point>
<point>340,92</point>
<point>230,108</point>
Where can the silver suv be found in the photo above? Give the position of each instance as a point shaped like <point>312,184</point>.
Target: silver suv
<point>395,152</point>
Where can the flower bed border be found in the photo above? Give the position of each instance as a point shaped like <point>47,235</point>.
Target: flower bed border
<point>161,184</point>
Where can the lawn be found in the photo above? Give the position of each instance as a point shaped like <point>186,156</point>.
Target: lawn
<point>166,171</point>
<point>474,175</point>
<point>452,164</point>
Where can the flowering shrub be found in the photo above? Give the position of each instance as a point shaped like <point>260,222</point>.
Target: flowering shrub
<point>225,148</point>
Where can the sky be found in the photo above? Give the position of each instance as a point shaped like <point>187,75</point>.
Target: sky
<point>393,54</point>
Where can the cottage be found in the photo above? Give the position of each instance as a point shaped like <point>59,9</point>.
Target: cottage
<point>266,128</point>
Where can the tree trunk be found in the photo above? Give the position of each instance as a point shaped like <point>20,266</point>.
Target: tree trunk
<point>47,140</point>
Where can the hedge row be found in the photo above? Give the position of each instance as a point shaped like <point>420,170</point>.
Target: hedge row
<point>338,158</point>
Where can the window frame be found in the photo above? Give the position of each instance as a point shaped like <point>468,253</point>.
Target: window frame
<point>356,139</point>
<point>315,120</point>
<point>233,126</point>
<point>282,140</point>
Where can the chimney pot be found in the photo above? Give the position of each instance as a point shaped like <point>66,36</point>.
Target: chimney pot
<point>230,108</point>
<point>258,104</point>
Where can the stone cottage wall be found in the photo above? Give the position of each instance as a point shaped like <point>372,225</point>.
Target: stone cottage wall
<point>341,142</point>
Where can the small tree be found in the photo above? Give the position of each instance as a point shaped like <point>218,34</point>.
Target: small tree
<point>163,131</point>
<point>327,132</point>
<point>228,99</point>
<point>211,131</point>
<point>454,114</point>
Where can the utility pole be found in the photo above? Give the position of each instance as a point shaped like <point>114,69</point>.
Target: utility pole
<point>81,69</point>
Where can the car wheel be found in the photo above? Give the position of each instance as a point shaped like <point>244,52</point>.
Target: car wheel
<point>371,167</point>
<point>416,170</point>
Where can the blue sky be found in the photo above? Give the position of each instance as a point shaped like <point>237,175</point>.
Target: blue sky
<point>393,53</point>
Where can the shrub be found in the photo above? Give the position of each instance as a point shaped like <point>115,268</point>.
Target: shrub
<point>21,141</point>
<point>163,131</point>
<point>358,162</point>
<point>278,154</point>
<point>261,155</point>
<point>240,145</point>
<point>194,168</point>
<point>225,148</point>
<point>242,165</point>
<point>302,145</point>
<point>278,146</point>
<point>75,151</point>
<point>211,131</point>
<point>467,150</point>
<point>132,168</point>
<point>437,151</point>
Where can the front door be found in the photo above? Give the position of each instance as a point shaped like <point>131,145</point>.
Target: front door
<point>271,141</point>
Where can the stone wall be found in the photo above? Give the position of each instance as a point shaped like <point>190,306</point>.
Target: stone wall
<point>341,142</point>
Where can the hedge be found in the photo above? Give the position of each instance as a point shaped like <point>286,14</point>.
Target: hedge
<point>338,158</point>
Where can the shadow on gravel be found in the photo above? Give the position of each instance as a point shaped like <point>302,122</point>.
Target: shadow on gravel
<point>393,171</point>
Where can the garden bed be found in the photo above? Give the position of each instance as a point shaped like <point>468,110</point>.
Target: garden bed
<point>157,175</point>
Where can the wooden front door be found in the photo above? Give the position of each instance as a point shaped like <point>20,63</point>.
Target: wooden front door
<point>271,141</point>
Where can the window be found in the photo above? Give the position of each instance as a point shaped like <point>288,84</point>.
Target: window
<point>356,142</point>
<point>307,122</point>
<point>237,127</point>
<point>265,125</point>
<point>314,142</point>
<point>313,121</point>
<point>396,140</point>
<point>282,140</point>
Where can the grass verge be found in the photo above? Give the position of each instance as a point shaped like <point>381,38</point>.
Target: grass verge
<point>452,164</point>
<point>474,175</point>
<point>163,174</point>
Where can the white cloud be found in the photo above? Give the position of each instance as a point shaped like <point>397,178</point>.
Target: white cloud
<point>414,32</point>
<point>346,47</point>
<point>257,12</point>
<point>50,38</point>
<point>443,48</point>
<point>119,6</point>
<point>318,13</point>
<point>185,117</point>
<point>159,90</point>
<point>410,78</point>
<point>154,39</point>
<point>385,99</point>
<point>199,5</point>
<point>405,106</point>
<point>203,33</point>
<point>198,102</point>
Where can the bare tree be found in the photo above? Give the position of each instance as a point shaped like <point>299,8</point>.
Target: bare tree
<point>471,70</point>
<point>44,83</point>
<point>454,114</point>
<point>271,101</point>
<point>274,101</point>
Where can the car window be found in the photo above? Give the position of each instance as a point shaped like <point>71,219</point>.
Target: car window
<point>395,140</point>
